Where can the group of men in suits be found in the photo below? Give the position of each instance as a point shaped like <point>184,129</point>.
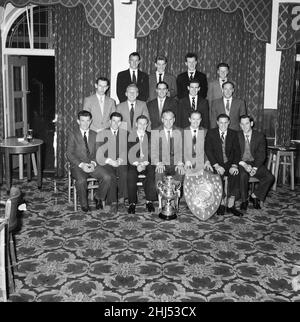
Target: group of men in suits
<point>187,131</point>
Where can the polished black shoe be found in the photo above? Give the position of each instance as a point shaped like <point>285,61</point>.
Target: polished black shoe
<point>221,210</point>
<point>99,203</point>
<point>131,209</point>
<point>244,205</point>
<point>255,201</point>
<point>85,209</point>
<point>150,207</point>
<point>235,212</point>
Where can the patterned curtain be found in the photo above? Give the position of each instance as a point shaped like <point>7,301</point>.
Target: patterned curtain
<point>1,96</point>
<point>215,36</point>
<point>81,55</point>
<point>285,96</point>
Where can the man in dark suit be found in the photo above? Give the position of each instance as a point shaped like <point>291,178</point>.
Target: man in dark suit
<point>133,75</point>
<point>233,107</point>
<point>81,153</point>
<point>223,152</point>
<point>100,105</point>
<point>192,102</point>
<point>161,103</point>
<point>184,78</point>
<point>167,149</point>
<point>215,86</point>
<point>112,154</point>
<point>139,163</point>
<point>253,156</point>
<point>161,75</point>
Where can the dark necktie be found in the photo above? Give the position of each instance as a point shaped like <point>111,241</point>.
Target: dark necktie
<point>247,139</point>
<point>191,76</point>
<point>227,106</point>
<point>160,78</point>
<point>131,115</point>
<point>223,137</point>
<point>133,77</point>
<point>194,143</point>
<point>193,103</point>
<point>115,133</point>
<point>86,145</point>
<point>141,147</point>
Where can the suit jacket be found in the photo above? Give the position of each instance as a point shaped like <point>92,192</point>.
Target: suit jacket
<point>213,147</point>
<point>140,109</point>
<point>124,79</point>
<point>133,146</point>
<point>257,147</point>
<point>76,150</point>
<point>100,121</point>
<point>111,146</point>
<point>160,146</point>
<point>237,109</point>
<point>188,146</point>
<point>169,104</point>
<point>168,78</point>
<point>214,91</point>
<point>184,108</point>
<point>183,82</point>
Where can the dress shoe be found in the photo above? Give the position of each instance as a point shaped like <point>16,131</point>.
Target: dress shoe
<point>244,205</point>
<point>235,212</point>
<point>221,210</point>
<point>255,202</point>
<point>150,207</point>
<point>85,209</point>
<point>99,203</point>
<point>131,209</point>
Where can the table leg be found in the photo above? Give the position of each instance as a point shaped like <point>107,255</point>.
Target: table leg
<point>21,173</point>
<point>1,168</point>
<point>28,167</point>
<point>39,168</point>
<point>7,171</point>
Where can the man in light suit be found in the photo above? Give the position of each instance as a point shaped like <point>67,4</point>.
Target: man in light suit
<point>132,108</point>
<point>133,75</point>
<point>223,152</point>
<point>184,78</point>
<point>161,103</point>
<point>161,75</point>
<point>194,137</point>
<point>81,153</point>
<point>233,107</point>
<point>215,86</point>
<point>192,102</point>
<point>253,156</point>
<point>167,149</point>
<point>100,105</point>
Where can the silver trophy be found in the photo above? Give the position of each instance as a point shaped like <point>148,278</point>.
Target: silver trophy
<point>168,197</point>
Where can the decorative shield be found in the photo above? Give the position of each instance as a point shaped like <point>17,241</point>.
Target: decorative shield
<point>203,192</point>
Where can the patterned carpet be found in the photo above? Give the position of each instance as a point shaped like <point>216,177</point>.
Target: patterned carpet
<point>72,256</point>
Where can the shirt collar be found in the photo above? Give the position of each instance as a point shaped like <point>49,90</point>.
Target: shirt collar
<point>112,131</point>
<point>249,135</point>
<point>226,99</point>
<point>225,132</point>
<point>129,104</point>
<point>131,70</point>
<point>82,132</point>
<point>100,96</point>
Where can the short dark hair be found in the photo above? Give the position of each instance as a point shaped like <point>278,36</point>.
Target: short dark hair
<point>194,81</point>
<point>116,114</point>
<point>161,57</point>
<point>228,82</point>
<point>195,112</point>
<point>142,117</point>
<point>245,116</point>
<point>168,111</point>
<point>162,82</point>
<point>223,115</point>
<point>191,55</point>
<point>135,53</point>
<point>84,113</point>
<point>104,79</point>
<point>222,65</point>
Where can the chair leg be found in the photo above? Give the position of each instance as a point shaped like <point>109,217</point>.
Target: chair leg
<point>284,169</point>
<point>3,285</point>
<point>276,170</point>
<point>12,249</point>
<point>292,172</point>
<point>75,196</point>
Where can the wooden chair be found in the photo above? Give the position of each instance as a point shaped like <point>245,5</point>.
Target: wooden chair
<point>91,182</point>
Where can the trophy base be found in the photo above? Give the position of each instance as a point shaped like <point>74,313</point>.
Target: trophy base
<point>165,217</point>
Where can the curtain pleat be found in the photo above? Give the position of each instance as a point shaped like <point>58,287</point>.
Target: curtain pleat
<point>81,55</point>
<point>216,37</point>
<point>1,96</point>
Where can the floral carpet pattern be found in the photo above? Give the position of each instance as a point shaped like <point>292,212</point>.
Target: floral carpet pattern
<point>73,256</point>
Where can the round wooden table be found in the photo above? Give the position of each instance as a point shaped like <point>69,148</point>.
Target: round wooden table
<point>19,146</point>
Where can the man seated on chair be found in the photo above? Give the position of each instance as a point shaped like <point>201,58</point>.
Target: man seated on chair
<point>253,156</point>
<point>167,149</point>
<point>112,154</point>
<point>194,136</point>
<point>223,152</point>
<point>81,153</point>
<point>139,163</point>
